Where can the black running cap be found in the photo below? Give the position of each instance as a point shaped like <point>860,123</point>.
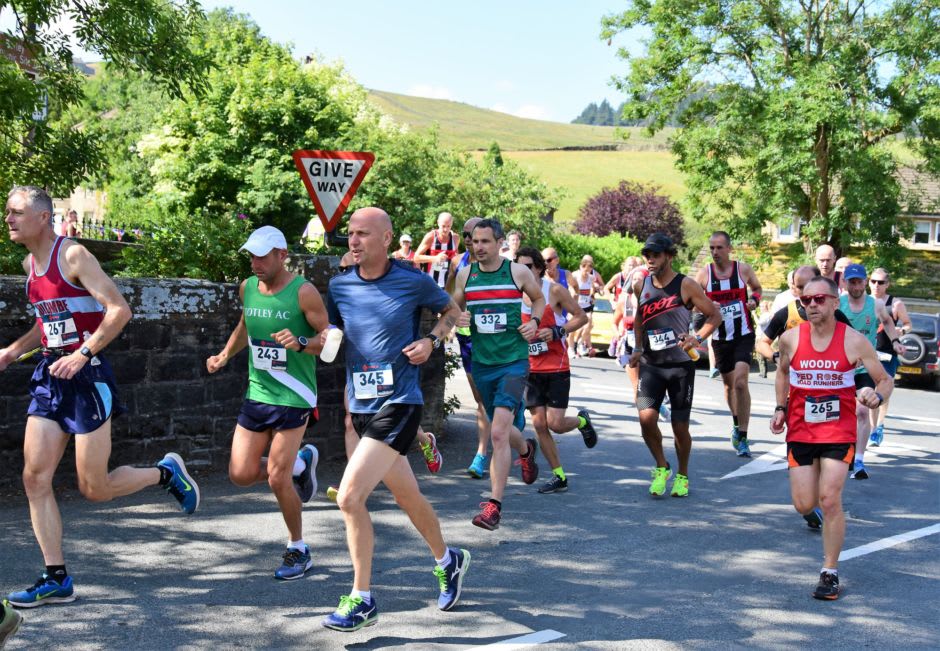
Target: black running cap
<point>659,243</point>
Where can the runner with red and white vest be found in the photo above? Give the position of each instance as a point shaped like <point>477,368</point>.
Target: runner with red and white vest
<point>549,382</point>
<point>816,401</point>
<point>437,249</point>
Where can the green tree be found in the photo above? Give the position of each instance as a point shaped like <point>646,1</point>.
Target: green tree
<point>149,36</point>
<point>803,96</point>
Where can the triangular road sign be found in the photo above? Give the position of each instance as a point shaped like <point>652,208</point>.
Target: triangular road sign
<point>331,179</point>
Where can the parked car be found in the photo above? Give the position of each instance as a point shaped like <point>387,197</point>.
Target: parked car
<point>603,330</point>
<point>921,350</point>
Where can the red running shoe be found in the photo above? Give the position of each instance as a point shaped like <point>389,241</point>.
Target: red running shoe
<point>432,456</point>
<point>530,469</point>
<point>488,517</point>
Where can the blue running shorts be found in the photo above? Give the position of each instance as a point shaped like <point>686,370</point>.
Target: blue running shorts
<point>80,405</point>
<point>260,417</point>
<point>503,385</point>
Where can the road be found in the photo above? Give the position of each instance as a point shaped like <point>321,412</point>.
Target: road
<point>603,566</point>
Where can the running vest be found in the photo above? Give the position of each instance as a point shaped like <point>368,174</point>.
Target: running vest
<point>821,407</point>
<point>495,302</point>
<point>619,284</point>
<point>547,356</point>
<point>276,375</point>
<point>463,262</point>
<point>731,294</point>
<point>665,317</point>
<point>437,270</point>
<point>67,314</point>
<point>865,321</point>
<point>884,344</point>
<point>585,291</point>
<point>794,317</point>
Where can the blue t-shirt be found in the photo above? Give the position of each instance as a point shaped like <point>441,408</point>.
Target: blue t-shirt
<point>378,318</point>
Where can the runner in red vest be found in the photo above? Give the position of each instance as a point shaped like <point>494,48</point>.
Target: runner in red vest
<point>437,249</point>
<point>816,405</point>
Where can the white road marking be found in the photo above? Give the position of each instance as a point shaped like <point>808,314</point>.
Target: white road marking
<point>891,541</point>
<point>521,642</point>
<point>776,459</point>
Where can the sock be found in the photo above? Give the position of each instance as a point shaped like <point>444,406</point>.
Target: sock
<point>445,561</point>
<point>298,545</point>
<point>499,505</point>
<point>365,595</point>
<point>742,434</point>
<point>299,467</point>
<point>558,471</point>
<point>165,475</point>
<point>735,419</point>
<point>830,570</point>
<point>57,572</point>
<point>859,458</point>
<point>582,421</point>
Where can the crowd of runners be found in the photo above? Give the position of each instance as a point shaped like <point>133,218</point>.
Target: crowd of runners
<point>519,318</point>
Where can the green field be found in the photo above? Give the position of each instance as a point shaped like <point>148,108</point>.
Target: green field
<point>470,127</point>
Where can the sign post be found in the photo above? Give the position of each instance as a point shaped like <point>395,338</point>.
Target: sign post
<point>331,179</point>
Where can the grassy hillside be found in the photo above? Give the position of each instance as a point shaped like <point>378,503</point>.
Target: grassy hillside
<point>469,127</point>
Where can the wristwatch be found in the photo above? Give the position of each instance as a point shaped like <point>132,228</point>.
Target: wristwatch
<point>538,321</point>
<point>435,340</point>
<point>303,341</point>
<point>86,351</point>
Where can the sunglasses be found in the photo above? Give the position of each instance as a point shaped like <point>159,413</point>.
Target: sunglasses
<point>552,259</point>
<point>466,234</point>
<point>818,299</point>
<point>878,282</point>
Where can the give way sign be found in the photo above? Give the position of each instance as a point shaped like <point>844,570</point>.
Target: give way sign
<point>331,179</point>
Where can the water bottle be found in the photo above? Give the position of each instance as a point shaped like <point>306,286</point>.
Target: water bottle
<point>334,337</point>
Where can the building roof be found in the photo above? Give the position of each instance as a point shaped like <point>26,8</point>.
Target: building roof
<point>920,191</point>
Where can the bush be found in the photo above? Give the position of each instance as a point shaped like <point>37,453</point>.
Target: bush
<point>608,252</point>
<point>631,209</point>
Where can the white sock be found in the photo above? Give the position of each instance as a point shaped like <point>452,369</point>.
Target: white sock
<point>444,562</point>
<point>365,595</point>
<point>830,570</point>
<point>299,545</point>
<point>299,466</point>
<point>860,458</point>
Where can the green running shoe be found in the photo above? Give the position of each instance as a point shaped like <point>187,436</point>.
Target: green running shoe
<point>660,476</point>
<point>680,486</point>
<point>735,437</point>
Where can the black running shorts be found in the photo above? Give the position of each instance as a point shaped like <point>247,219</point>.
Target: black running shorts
<point>729,354</point>
<point>803,454</point>
<point>863,380</point>
<point>548,389</point>
<point>678,380</point>
<point>396,425</point>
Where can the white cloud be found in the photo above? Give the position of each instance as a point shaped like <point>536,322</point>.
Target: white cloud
<point>432,92</point>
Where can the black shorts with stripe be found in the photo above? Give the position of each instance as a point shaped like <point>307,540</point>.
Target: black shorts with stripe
<point>396,425</point>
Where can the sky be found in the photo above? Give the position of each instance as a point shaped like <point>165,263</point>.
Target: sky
<point>541,60</point>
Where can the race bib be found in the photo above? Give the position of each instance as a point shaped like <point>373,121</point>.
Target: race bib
<point>885,357</point>
<point>59,329</point>
<point>584,300</point>
<point>439,267</point>
<point>821,409</point>
<point>732,311</point>
<point>631,338</point>
<point>662,339</point>
<point>538,347</point>
<point>489,323</point>
<point>373,381</point>
<point>267,355</point>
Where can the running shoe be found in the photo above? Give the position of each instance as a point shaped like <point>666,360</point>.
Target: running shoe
<point>352,614</point>
<point>432,456</point>
<point>858,471</point>
<point>331,493</point>
<point>587,432</point>
<point>451,578</point>
<point>735,437</point>
<point>877,436</point>
<point>680,486</point>
<point>744,450</point>
<point>530,469</point>
<point>9,623</point>
<point>713,373</point>
<point>46,590</point>
<point>554,485</point>
<point>295,565</point>
<point>478,468</point>
<point>814,519</point>
<point>828,587</point>
<point>665,414</point>
<point>306,482</point>
<point>181,485</point>
<point>488,517</point>
<point>660,476</point>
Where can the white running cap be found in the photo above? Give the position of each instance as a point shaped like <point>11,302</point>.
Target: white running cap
<point>263,240</point>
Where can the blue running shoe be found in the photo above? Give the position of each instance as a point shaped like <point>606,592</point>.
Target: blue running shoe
<point>744,450</point>
<point>451,578</point>
<point>352,614</point>
<point>735,437</point>
<point>478,468</point>
<point>858,471</point>
<point>306,482</point>
<point>877,436</point>
<point>46,590</point>
<point>665,414</point>
<point>296,563</point>
<point>814,519</point>
<point>181,485</point>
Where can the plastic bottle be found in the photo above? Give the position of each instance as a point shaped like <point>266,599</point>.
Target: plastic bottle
<point>334,337</point>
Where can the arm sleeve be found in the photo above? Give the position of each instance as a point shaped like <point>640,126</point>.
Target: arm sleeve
<point>777,325</point>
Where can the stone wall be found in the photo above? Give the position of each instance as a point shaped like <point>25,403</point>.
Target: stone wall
<point>172,403</point>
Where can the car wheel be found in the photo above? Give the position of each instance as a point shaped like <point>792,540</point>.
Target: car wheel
<point>914,349</point>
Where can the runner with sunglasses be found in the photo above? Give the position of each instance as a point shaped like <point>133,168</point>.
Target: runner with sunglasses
<point>816,398</point>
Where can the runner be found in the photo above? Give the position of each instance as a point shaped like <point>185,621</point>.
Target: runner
<point>553,269</point>
<point>816,400</point>
<point>281,315</point>
<point>383,352</point>
<point>841,264</point>
<point>624,317</point>
<point>549,381</point>
<point>587,283</point>
<point>826,263</point>
<point>79,311</point>
<point>404,251</point>
<point>621,280</point>
<point>663,339</point>
<point>511,245</point>
<point>477,467</point>
<point>491,289</point>
<point>437,249</point>
<point>879,283</point>
<point>726,282</point>
<point>866,315</point>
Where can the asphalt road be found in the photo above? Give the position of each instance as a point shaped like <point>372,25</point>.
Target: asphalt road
<point>603,566</point>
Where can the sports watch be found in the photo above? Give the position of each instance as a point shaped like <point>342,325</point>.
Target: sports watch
<point>86,351</point>
<point>435,340</point>
<point>303,341</point>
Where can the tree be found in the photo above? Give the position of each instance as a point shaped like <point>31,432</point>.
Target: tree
<point>494,154</point>
<point>630,209</point>
<point>149,36</point>
<point>805,96</point>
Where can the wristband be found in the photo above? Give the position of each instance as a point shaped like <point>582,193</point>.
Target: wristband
<point>538,321</point>
<point>756,296</point>
<point>881,399</point>
<point>896,340</point>
<point>86,351</point>
<point>780,408</point>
